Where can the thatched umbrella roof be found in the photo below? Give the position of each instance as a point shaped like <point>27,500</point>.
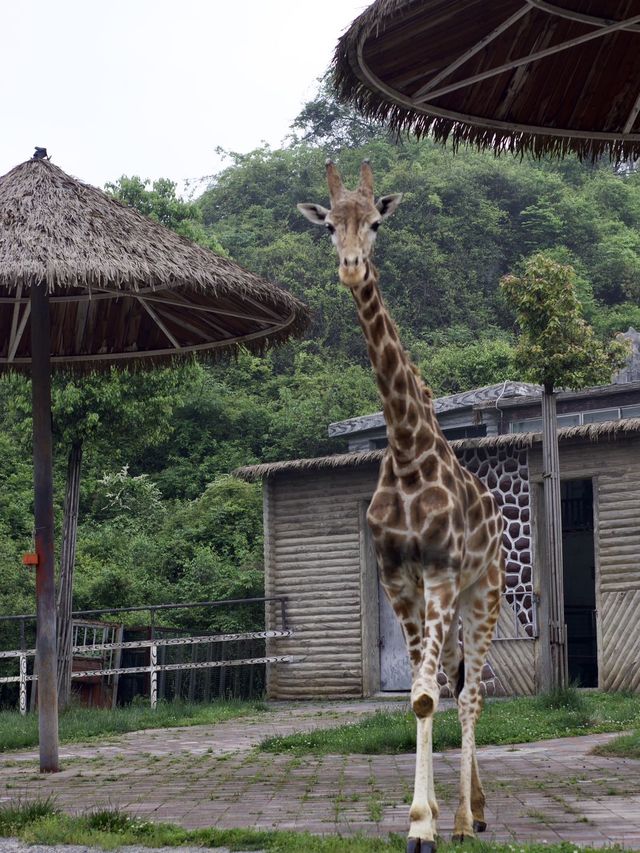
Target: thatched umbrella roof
<point>521,75</point>
<point>121,286</point>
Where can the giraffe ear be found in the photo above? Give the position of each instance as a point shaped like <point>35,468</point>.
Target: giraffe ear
<point>315,213</point>
<point>387,204</point>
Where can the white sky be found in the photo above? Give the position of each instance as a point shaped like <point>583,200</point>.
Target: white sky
<point>151,87</point>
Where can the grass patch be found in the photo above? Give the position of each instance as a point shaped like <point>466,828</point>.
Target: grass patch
<point>520,720</point>
<point>81,724</point>
<point>625,746</point>
<point>42,823</point>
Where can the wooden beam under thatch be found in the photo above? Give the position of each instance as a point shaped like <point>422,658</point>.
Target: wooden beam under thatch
<point>510,75</point>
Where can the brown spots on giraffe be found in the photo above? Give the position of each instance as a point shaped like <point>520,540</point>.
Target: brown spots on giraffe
<point>426,503</point>
<point>447,480</point>
<point>424,441</point>
<point>377,329</point>
<point>398,408</point>
<point>370,312</point>
<point>412,415</point>
<point>403,436</point>
<point>475,515</point>
<point>442,448</point>
<point>430,468</point>
<point>389,360</point>
<point>479,539</point>
<point>457,517</point>
<point>416,656</point>
<point>391,327</point>
<point>400,383</point>
<point>438,530</point>
<point>387,475</point>
<point>386,508</point>
<point>411,628</point>
<point>411,482</point>
<point>488,505</point>
<point>445,598</point>
<point>493,575</point>
<point>493,599</point>
<point>367,292</point>
<point>432,612</point>
<point>392,548</point>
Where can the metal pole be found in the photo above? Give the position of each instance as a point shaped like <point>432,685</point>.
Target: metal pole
<point>46,652</point>
<point>553,525</point>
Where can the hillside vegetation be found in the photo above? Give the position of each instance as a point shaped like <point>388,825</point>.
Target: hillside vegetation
<point>160,518</point>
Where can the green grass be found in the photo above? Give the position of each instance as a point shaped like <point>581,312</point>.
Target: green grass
<point>42,823</point>
<point>80,724</point>
<point>520,720</point>
<point>625,746</point>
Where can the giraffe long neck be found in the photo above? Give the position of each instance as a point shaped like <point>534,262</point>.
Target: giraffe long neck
<point>407,403</point>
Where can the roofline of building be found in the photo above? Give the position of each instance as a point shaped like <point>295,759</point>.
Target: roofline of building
<point>608,430</point>
<point>488,395</point>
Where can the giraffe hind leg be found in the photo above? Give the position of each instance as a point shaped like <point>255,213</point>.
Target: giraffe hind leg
<point>480,608</point>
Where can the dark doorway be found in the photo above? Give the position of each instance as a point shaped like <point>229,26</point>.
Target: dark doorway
<point>578,554</point>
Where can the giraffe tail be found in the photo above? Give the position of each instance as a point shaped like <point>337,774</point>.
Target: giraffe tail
<point>460,681</point>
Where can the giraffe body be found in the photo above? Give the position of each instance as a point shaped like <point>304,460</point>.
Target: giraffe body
<point>437,529</point>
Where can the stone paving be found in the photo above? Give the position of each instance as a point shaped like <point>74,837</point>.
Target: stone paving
<point>212,776</point>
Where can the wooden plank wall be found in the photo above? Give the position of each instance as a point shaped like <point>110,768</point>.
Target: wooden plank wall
<point>512,660</point>
<point>615,467</point>
<point>314,557</point>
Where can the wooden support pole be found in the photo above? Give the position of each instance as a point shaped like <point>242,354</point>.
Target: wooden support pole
<point>553,538</point>
<point>46,654</point>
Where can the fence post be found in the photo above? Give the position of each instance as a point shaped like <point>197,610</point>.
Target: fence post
<point>23,684</point>
<point>153,662</point>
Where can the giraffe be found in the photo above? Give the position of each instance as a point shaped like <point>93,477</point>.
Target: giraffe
<point>437,529</point>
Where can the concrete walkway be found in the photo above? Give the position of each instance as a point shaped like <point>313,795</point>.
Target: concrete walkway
<point>212,776</point>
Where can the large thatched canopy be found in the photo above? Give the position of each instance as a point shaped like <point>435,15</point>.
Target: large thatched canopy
<point>521,75</point>
<point>121,286</point>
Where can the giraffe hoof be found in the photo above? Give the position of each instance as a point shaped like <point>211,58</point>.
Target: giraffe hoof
<point>479,826</point>
<point>420,845</point>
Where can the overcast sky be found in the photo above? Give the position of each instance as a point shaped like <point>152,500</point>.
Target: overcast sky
<point>151,87</point>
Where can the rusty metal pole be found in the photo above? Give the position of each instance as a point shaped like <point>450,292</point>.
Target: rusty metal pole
<point>46,652</point>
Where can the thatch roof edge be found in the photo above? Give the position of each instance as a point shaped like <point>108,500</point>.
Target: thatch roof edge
<point>354,88</point>
<point>593,432</point>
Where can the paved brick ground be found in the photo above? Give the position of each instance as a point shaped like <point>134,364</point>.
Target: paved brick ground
<point>212,776</point>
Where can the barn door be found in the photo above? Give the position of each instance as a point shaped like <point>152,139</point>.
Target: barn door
<point>395,673</point>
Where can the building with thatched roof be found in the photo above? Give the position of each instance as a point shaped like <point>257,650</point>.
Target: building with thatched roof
<point>318,551</point>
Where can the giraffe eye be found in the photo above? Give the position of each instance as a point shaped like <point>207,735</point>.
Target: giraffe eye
<point>330,228</point>
<point>375,226</point>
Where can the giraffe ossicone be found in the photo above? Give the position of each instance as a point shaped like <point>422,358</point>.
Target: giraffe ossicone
<point>437,528</point>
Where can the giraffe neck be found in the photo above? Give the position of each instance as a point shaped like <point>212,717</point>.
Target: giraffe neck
<point>407,403</point>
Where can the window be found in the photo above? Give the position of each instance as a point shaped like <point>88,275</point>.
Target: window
<point>600,415</point>
<point>630,412</point>
<point>528,425</point>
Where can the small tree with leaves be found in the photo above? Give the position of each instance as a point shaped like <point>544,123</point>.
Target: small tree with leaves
<point>557,349</point>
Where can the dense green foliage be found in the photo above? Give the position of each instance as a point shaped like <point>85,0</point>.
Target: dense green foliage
<point>521,720</point>
<point>557,347</point>
<point>160,520</point>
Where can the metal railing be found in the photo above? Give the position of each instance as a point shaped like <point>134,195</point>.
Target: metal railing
<point>154,667</point>
<point>105,649</point>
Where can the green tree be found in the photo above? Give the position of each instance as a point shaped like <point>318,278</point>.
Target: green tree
<point>556,348</point>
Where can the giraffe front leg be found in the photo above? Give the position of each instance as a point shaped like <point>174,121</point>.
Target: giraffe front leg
<point>440,606</point>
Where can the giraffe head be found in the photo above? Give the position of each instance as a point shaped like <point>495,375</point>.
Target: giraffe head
<point>352,221</point>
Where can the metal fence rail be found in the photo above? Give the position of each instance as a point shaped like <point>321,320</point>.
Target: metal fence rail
<point>154,667</point>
